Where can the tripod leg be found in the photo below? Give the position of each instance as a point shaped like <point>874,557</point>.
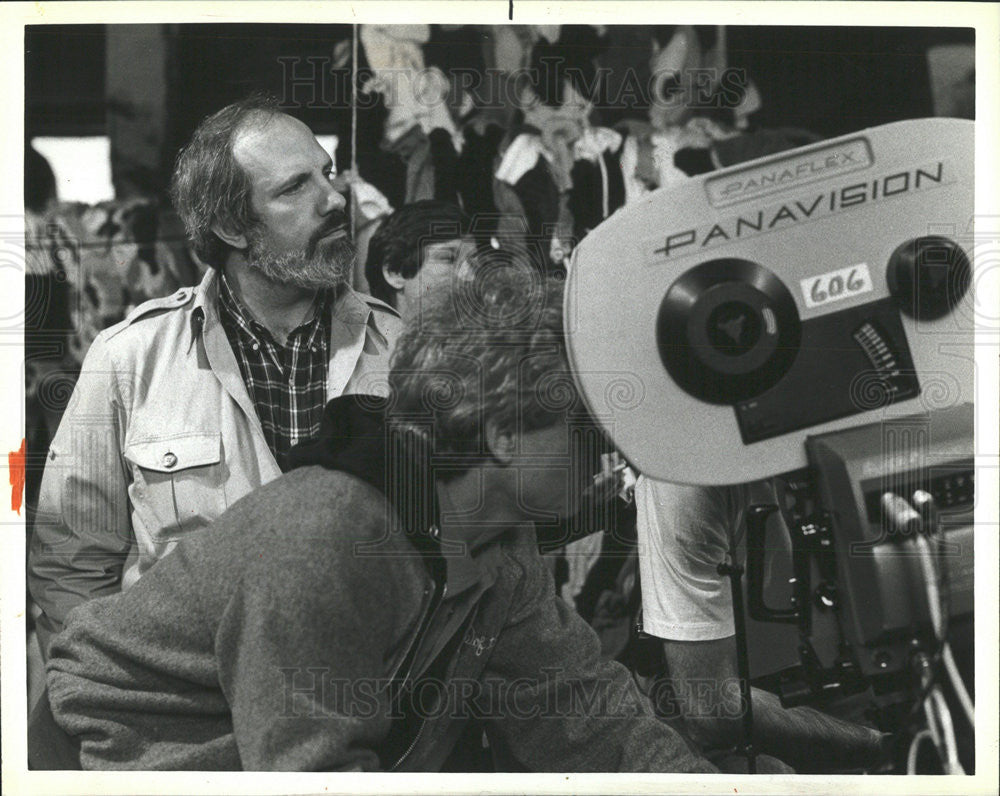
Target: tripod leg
<point>734,573</point>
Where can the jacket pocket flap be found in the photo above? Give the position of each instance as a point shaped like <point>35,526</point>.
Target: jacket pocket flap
<point>176,452</point>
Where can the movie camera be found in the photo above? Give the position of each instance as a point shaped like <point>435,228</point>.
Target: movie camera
<point>808,317</point>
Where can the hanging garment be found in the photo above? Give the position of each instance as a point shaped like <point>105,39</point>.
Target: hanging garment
<point>414,94</point>
<point>444,160</point>
<point>541,183</point>
<point>539,196</point>
<point>511,51</point>
<point>598,190</point>
<point>652,158</point>
<point>413,149</point>
<point>474,174</point>
<point>520,157</point>
<point>597,185</point>
<point>391,48</point>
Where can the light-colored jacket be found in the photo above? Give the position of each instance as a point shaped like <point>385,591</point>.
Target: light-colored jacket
<point>160,436</point>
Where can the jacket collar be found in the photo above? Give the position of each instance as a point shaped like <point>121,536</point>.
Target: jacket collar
<point>206,297</point>
<point>357,437</point>
<point>466,569</point>
<point>353,333</point>
<point>207,324</point>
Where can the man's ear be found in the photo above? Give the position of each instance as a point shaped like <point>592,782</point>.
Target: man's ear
<point>237,240</point>
<point>394,279</point>
<point>499,442</point>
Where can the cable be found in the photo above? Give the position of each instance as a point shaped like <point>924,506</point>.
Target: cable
<point>931,586</point>
<point>940,727</point>
<point>925,504</point>
<point>604,186</point>
<point>907,522</point>
<point>956,682</point>
<point>939,723</point>
<point>936,601</point>
<point>932,728</point>
<point>911,756</point>
<point>907,519</point>
<point>943,714</point>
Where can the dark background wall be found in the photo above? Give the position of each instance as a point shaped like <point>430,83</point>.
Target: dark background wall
<point>836,80</point>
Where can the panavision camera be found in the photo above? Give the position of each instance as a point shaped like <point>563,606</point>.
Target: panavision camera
<point>808,317</point>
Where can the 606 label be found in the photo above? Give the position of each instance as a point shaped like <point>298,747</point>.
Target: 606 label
<point>836,285</point>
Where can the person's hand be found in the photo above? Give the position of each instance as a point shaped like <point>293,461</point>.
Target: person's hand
<point>887,753</point>
<point>608,482</point>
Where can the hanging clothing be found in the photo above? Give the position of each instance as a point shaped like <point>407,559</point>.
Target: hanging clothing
<point>474,176</point>
<point>598,190</point>
<point>598,187</point>
<point>444,160</point>
<point>414,94</point>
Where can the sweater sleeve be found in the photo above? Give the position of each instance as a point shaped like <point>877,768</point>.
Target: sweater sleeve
<point>302,648</point>
<point>572,711</point>
<point>132,677</point>
<point>262,644</point>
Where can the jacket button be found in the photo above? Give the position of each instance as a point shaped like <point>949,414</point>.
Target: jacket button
<point>169,459</point>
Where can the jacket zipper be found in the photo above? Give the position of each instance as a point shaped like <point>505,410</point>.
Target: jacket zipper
<point>423,722</point>
<point>409,748</point>
<point>428,599</point>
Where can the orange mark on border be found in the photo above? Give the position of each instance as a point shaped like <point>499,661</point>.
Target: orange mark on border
<point>15,461</point>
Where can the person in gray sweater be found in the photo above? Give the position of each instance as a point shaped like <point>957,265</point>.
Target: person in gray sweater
<point>360,611</point>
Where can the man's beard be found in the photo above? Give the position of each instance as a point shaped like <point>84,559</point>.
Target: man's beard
<point>325,263</point>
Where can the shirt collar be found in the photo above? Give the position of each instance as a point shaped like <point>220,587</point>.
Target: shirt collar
<point>231,304</point>
<point>462,569</point>
<point>467,566</point>
<point>346,305</point>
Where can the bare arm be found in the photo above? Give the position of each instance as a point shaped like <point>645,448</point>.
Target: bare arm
<point>704,678</point>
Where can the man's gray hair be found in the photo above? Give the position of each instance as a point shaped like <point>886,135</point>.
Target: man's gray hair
<point>209,186</point>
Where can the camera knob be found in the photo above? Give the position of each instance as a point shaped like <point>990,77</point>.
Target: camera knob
<point>928,276</point>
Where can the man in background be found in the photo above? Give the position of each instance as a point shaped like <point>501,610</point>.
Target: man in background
<point>195,399</point>
<point>684,533</point>
<point>418,251</point>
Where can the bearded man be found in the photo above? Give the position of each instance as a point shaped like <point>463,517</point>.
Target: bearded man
<point>195,399</point>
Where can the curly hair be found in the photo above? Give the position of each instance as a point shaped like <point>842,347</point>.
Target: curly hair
<point>398,243</point>
<point>209,186</point>
<point>491,349</point>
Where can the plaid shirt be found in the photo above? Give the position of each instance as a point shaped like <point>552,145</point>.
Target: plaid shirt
<point>287,384</point>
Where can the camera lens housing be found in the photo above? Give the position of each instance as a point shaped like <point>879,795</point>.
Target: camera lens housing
<point>727,330</point>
